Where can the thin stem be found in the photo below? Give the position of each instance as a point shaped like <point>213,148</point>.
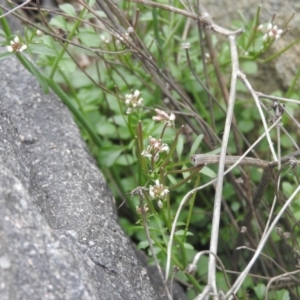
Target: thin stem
<point>261,245</point>
<point>62,52</point>
<point>191,192</point>
<point>152,248</point>
<point>220,177</point>
<point>247,84</point>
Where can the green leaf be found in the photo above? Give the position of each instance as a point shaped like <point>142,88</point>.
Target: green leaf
<point>260,290</point>
<point>249,67</point>
<point>125,160</point>
<point>287,188</point>
<point>108,157</point>
<point>90,39</point>
<point>180,144</point>
<point>172,179</point>
<point>235,206</point>
<point>282,295</point>
<point>196,144</point>
<point>180,224</point>
<point>208,172</point>
<point>48,41</point>
<point>42,50</point>
<point>68,9</point>
<point>143,245</point>
<point>59,22</point>
<point>67,65</point>
<point>90,95</point>
<point>105,128</point>
<point>246,125</point>
<point>182,232</point>
<point>188,246</point>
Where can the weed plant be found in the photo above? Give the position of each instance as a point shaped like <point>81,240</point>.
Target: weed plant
<point>151,84</point>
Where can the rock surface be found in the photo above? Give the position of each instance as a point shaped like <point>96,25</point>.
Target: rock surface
<point>59,235</point>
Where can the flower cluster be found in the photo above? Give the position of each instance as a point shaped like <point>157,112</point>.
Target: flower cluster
<point>133,101</point>
<point>272,32</point>
<point>154,148</point>
<point>16,46</point>
<point>162,116</point>
<point>158,191</point>
<point>185,45</point>
<point>124,37</point>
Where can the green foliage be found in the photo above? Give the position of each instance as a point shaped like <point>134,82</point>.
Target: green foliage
<point>101,70</point>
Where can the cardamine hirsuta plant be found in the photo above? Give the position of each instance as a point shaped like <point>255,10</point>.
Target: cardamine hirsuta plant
<point>205,165</point>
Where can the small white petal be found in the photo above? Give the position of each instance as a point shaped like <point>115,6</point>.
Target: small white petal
<point>185,45</point>
<point>156,118</point>
<point>136,93</point>
<point>9,49</point>
<point>24,47</point>
<point>164,148</point>
<point>151,193</point>
<point>16,39</point>
<point>269,27</point>
<point>159,204</point>
<point>172,117</point>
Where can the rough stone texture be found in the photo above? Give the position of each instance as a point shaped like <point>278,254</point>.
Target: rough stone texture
<point>59,236</point>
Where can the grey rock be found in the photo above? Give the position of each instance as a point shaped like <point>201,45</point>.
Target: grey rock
<point>59,235</point>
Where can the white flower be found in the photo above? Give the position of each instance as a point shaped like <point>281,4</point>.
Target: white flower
<point>147,152</point>
<point>162,116</point>
<point>157,145</point>
<point>133,101</point>
<point>185,45</point>
<point>260,27</point>
<point>269,26</point>
<point>154,148</point>
<point>159,204</point>
<point>16,46</point>
<point>130,29</point>
<point>272,32</point>
<point>158,191</point>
